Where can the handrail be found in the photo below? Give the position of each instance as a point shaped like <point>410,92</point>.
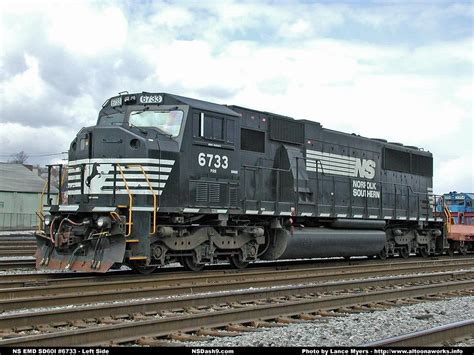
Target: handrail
<point>152,191</point>
<point>61,182</point>
<point>39,213</point>
<point>130,198</point>
<point>448,217</point>
<point>410,192</point>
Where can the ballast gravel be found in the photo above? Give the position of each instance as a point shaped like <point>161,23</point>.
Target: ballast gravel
<point>354,329</point>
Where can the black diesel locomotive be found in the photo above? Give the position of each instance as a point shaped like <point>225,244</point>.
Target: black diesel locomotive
<point>163,178</point>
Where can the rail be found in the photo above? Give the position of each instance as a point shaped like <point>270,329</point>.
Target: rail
<point>429,337</point>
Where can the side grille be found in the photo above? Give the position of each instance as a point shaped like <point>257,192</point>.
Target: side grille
<point>201,192</point>
<point>213,194</point>
<point>233,196</point>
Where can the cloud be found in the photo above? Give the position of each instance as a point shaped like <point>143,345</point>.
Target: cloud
<point>402,72</point>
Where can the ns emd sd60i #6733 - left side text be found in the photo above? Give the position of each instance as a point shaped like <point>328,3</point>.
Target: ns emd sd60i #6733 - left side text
<point>163,178</point>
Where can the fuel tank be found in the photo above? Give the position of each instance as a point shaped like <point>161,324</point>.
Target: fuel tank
<point>328,242</point>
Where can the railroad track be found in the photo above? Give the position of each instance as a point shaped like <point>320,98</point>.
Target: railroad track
<point>146,322</point>
<point>177,273</point>
<point>16,264</point>
<point>17,245</point>
<point>60,292</point>
<point>441,335</point>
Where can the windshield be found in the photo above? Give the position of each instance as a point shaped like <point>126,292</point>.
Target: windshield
<point>455,202</point>
<point>113,119</point>
<point>168,121</point>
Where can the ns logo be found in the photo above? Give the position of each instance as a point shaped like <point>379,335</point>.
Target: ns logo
<point>364,168</point>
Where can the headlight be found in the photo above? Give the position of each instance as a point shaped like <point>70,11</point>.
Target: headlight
<point>103,222</point>
<point>47,220</point>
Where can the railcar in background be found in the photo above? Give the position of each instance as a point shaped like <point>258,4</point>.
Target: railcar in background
<point>458,211</point>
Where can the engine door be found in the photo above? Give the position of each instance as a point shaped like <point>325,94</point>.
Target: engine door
<point>214,161</point>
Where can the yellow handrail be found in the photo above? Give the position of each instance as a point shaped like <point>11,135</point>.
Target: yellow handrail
<point>152,191</point>
<point>448,217</point>
<point>130,198</point>
<point>39,213</point>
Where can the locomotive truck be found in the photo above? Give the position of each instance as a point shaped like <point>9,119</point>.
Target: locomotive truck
<point>163,178</point>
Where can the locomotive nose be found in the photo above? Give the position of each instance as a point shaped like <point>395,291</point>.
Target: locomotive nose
<point>108,142</point>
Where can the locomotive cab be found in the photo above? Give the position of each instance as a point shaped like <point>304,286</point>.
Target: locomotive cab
<point>117,170</point>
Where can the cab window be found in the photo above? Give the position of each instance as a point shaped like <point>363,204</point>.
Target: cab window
<point>211,127</point>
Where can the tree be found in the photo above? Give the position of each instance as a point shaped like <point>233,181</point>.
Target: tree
<point>19,158</point>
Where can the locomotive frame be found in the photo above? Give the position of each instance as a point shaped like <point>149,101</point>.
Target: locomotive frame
<point>232,183</point>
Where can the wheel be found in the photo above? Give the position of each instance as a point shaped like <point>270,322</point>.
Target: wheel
<point>424,252</point>
<point>383,254</point>
<point>142,269</point>
<point>190,264</point>
<point>404,253</point>
<point>237,263</point>
<point>463,249</point>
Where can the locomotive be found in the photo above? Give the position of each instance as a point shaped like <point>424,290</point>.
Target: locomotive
<point>458,211</point>
<point>163,178</point>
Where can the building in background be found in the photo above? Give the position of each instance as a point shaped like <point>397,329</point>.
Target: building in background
<point>20,194</point>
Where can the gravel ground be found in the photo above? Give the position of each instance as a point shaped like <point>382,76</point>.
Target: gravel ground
<point>355,329</point>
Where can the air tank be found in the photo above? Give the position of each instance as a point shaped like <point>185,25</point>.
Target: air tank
<point>327,242</point>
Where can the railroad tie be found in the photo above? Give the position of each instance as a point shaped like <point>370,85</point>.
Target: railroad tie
<point>346,310</point>
<point>288,320</point>
<point>78,323</point>
<point>330,314</point>
<point>152,342</point>
<point>412,300</point>
<point>260,303</point>
<point>362,309</point>
<point>59,324</point>
<point>109,320</point>
<point>377,307</point>
<point>387,303</point>
<point>139,316</point>
<point>167,314</point>
<point>265,324</point>
<point>215,333</point>
<point>45,328</point>
<point>187,337</point>
<point>436,298</point>
<point>194,310</point>
<point>24,328</point>
<point>241,328</point>
<point>311,317</point>
<point>122,316</point>
<point>404,302</point>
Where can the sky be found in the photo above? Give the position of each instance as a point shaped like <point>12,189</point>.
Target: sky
<point>398,70</point>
